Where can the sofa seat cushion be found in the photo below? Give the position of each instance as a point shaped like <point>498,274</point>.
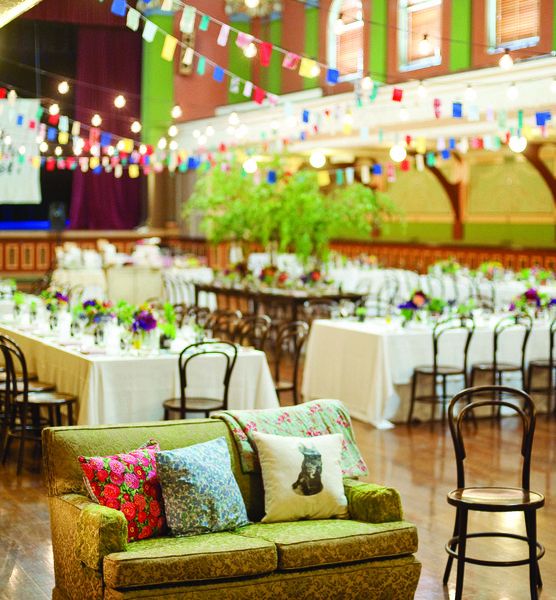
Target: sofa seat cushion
<point>304,544</point>
<point>162,560</point>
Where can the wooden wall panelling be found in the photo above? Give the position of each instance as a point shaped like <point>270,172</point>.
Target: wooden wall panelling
<point>42,256</point>
<point>28,257</point>
<point>12,257</point>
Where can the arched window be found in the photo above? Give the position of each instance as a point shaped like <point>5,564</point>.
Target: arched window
<point>513,23</point>
<point>419,33</point>
<point>345,38</point>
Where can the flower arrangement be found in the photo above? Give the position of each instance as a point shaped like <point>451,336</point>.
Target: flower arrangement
<point>271,275</point>
<point>168,323</point>
<point>418,300</point>
<point>450,266</point>
<point>54,300</point>
<point>536,275</point>
<point>530,300</point>
<point>144,319</point>
<point>312,277</point>
<point>491,269</point>
<point>97,310</point>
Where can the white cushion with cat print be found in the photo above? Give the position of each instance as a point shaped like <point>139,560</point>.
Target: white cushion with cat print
<point>302,477</point>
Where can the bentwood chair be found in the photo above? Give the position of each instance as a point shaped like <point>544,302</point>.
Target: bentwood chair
<point>22,401</point>
<point>222,323</point>
<point>290,340</point>
<point>545,367</point>
<point>438,373</point>
<point>252,331</point>
<point>492,498</point>
<point>320,308</point>
<point>497,368</point>
<point>223,356</point>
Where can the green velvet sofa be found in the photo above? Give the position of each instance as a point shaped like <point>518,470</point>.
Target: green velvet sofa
<point>370,556</point>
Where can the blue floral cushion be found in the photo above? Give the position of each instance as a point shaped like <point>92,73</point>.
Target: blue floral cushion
<point>200,492</point>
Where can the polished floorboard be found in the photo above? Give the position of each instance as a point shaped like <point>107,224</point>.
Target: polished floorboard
<point>418,461</point>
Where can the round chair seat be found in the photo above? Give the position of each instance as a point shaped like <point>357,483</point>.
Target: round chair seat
<point>440,370</point>
<point>496,499</point>
<point>47,398</point>
<point>30,376</point>
<point>488,366</point>
<point>541,362</point>
<point>193,404</point>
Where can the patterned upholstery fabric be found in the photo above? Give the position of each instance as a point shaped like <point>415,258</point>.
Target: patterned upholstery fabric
<point>78,552</point>
<point>172,560</point>
<point>200,492</point>
<point>305,544</point>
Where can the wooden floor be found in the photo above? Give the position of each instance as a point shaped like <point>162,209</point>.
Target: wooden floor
<point>418,461</point>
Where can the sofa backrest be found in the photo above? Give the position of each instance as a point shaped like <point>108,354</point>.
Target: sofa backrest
<point>63,445</point>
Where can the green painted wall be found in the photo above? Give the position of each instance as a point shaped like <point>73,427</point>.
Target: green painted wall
<point>379,39</point>
<point>460,44</point>
<point>240,65</point>
<point>311,43</point>
<point>157,84</point>
<point>272,75</point>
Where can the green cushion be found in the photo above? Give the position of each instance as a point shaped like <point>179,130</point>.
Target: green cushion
<point>166,560</point>
<point>304,544</point>
<point>372,503</point>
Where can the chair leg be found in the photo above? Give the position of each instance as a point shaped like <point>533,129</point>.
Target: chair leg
<point>70,414</point>
<point>462,543</point>
<point>23,419</point>
<point>535,580</point>
<point>453,546</point>
<point>412,400</point>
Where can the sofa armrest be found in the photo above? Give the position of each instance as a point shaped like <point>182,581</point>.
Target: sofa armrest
<point>100,531</point>
<point>372,503</point>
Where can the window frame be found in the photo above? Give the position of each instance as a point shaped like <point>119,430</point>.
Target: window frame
<point>404,64</point>
<point>332,41</point>
<point>493,47</point>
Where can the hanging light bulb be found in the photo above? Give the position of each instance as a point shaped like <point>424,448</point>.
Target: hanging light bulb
<point>339,25</point>
<point>77,150</point>
<point>119,101</point>
<point>274,125</point>
<point>43,147</point>
<point>202,139</point>
<point>196,133</point>
<point>404,115</point>
<point>241,131</point>
<point>120,145</point>
<point>58,151</point>
<point>8,140</point>
<point>110,150</point>
<point>422,90</point>
<point>348,118</point>
<point>172,131</point>
<point>142,149</point>
<point>21,150</point>
<point>233,119</point>
<point>209,130</point>
<point>315,70</point>
<point>398,153</point>
<point>63,87</point>
<point>176,111</point>
<point>162,143</point>
<point>367,84</point>
<point>230,130</point>
<point>250,165</point>
<point>54,109</point>
<point>173,145</point>
<point>425,47</point>
<point>136,127</point>
<point>250,50</point>
<point>512,92</point>
<point>96,121</point>
<point>317,160</point>
<point>251,3</point>
<point>470,93</point>
<point>12,97</point>
<point>517,144</point>
<point>506,61</point>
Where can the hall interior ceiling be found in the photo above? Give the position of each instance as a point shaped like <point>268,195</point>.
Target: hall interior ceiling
<point>10,9</point>
<point>382,116</point>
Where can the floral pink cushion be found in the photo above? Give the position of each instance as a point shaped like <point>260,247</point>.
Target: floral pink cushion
<point>129,482</point>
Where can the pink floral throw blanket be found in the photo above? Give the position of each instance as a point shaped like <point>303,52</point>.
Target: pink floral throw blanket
<point>318,417</point>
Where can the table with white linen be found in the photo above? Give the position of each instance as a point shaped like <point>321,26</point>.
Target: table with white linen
<point>94,281</point>
<point>369,365</point>
<point>179,284</point>
<point>128,389</point>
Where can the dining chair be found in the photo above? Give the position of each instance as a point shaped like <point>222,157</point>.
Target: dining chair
<point>252,331</point>
<point>198,314</point>
<point>496,497</point>
<point>222,323</point>
<point>380,303</point>
<point>544,366</point>
<point>496,368</point>
<point>438,373</point>
<point>191,357</point>
<point>23,401</point>
<point>290,340</point>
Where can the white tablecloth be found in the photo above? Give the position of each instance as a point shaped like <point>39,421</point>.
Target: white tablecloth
<point>93,281</point>
<point>179,285</point>
<point>365,365</point>
<point>131,389</point>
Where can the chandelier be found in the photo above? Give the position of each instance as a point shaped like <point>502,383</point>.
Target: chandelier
<point>253,8</point>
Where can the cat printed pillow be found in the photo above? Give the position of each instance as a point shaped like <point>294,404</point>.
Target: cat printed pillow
<point>302,477</point>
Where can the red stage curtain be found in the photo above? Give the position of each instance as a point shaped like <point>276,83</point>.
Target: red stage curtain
<point>111,59</point>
